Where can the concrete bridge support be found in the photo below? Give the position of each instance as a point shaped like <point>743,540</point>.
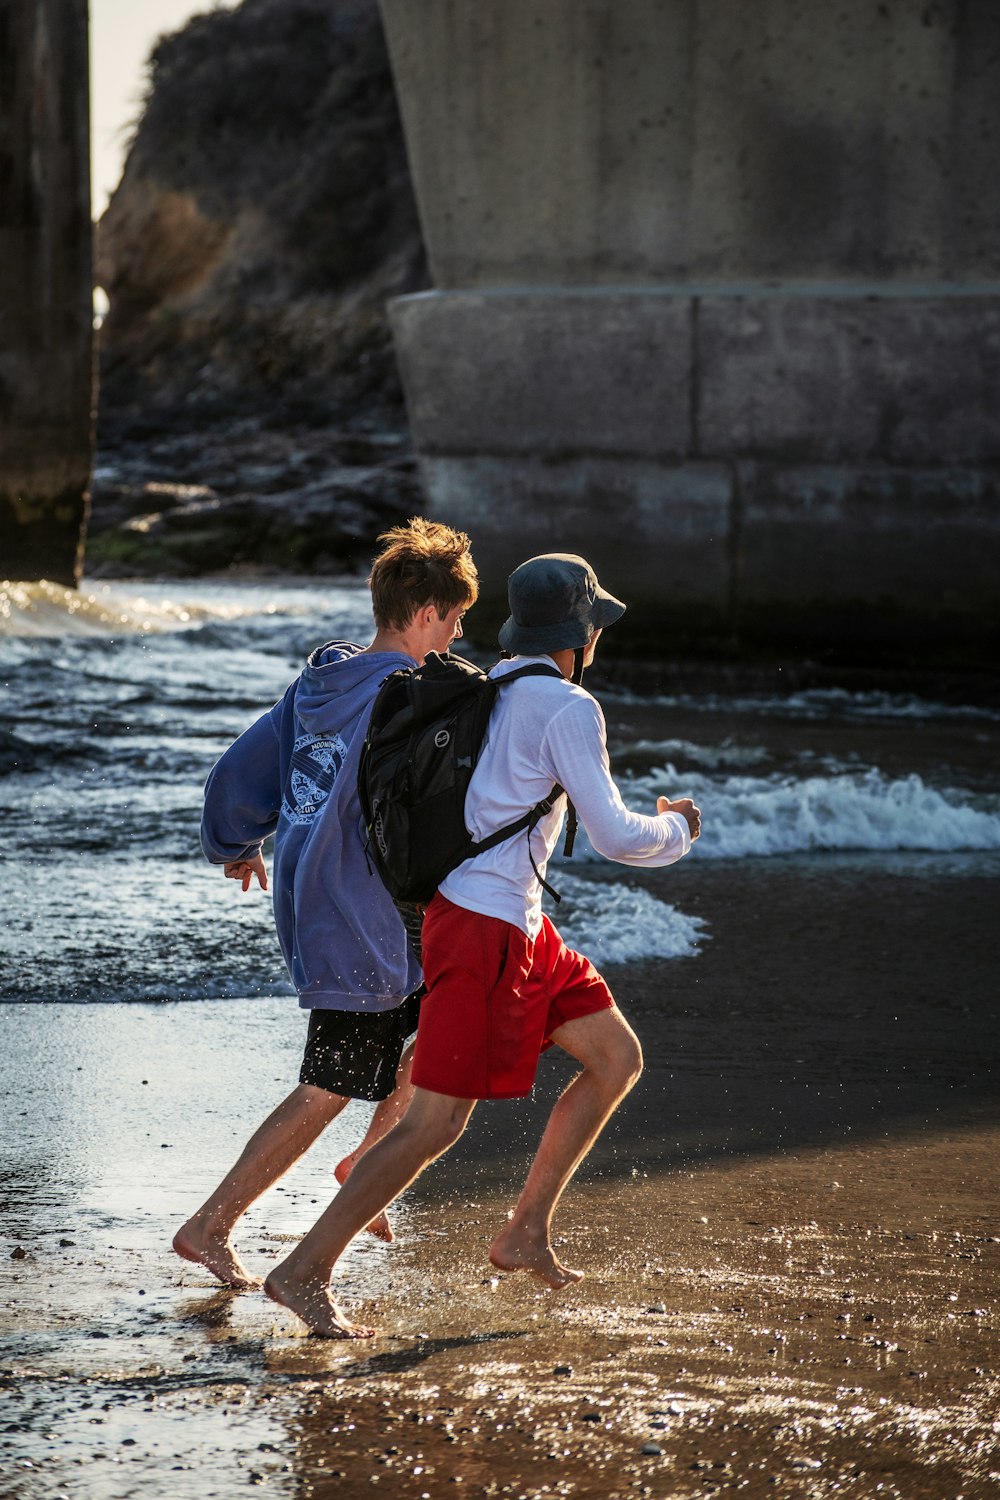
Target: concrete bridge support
<point>46,364</point>
<point>717,302</point>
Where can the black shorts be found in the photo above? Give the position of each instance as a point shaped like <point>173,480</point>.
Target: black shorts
<point>355,1053</point>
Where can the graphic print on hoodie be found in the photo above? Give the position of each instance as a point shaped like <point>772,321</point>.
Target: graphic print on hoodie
<point>294,773</point>
<point>316,763</point>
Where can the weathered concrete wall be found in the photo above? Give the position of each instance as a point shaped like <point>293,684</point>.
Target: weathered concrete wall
<point>743,464</point>
<point>45,288</point>
<point>719,300</point>
<point>636,140</point>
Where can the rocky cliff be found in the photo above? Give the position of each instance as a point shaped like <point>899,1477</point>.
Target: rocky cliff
<point>264,217</point>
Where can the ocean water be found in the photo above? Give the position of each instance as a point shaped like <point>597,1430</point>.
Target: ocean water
<point>117,699</point>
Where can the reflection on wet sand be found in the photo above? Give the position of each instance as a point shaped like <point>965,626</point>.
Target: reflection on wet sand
<point>788,1304</point>
<point>730,1344</point>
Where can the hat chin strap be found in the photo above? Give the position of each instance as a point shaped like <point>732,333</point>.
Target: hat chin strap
<point>572,821</point>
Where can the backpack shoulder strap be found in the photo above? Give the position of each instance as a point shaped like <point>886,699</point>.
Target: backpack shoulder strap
<point>528,820</point>
<point>525,823</point>
<point>533,669</point>
<point>538,669</point>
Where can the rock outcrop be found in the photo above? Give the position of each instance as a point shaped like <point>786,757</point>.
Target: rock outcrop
<point>264,217</point>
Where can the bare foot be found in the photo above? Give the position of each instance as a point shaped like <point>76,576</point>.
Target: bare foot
<point>193,1242</point>
<point>380,1226</point>
<point>315,1306</point>
<point>516,1250</point>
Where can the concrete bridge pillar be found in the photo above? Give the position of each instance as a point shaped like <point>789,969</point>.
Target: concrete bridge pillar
<point>46,365</point>
<point>717,302</point>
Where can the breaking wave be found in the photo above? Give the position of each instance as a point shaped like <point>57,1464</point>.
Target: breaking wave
<point>746,815</point>
<point>122,609</point>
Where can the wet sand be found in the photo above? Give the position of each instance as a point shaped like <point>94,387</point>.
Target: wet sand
<point>790,1235</point>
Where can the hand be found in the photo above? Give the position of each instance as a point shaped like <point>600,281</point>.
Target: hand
<point>687,810</point>
<point>246,869</point>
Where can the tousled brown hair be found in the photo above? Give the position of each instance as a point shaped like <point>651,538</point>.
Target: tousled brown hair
<point>423,562</point>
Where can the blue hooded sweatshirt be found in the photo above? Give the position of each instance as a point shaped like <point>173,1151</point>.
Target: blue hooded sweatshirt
<point>294,773</point>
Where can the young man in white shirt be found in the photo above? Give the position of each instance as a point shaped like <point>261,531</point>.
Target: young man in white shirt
<point>501,984</point>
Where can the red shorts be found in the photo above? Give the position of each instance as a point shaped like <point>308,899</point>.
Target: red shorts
<point>493,1000</point>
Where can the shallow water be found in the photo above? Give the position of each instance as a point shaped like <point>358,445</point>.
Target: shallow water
<point>768,1311</point>
<point>117,700</point>
<point>790,1230</point>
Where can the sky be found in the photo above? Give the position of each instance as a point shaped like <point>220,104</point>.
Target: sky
<point>122,34</point>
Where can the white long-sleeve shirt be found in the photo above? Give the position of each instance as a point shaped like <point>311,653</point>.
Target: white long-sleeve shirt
<point>545,730</point>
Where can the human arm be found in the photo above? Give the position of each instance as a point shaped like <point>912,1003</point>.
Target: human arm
<point>243,799</point>
<point>576,751</point>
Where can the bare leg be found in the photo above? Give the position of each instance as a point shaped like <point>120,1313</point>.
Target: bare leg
<point>284,1136</point>
<point>612,1062</point>
<point>388,1112</point>
<point>301,1282</point>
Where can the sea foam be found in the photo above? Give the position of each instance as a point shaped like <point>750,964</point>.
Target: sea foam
<point>617,923</point>
<point>128,608</point>
<point>46,609</point>
<point>866,810</point>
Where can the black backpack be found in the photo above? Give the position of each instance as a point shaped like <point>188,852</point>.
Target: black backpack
<point>424,737</point>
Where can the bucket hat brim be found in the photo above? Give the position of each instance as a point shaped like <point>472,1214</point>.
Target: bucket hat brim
<point>588,606</point>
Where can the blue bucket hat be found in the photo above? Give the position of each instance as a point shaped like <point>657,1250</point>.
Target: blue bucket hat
<point>556,604</point>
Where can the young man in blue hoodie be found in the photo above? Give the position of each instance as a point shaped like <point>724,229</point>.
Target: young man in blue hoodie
<point>293,774</point>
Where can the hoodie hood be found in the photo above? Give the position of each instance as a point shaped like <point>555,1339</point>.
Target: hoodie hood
<point>338,684</point>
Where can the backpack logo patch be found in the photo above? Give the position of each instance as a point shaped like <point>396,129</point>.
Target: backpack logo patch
<point>442,738</point>
<point>316,763</point>
<point>379,831</point>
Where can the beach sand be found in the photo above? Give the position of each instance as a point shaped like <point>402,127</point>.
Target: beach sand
<point>790,1234</point>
